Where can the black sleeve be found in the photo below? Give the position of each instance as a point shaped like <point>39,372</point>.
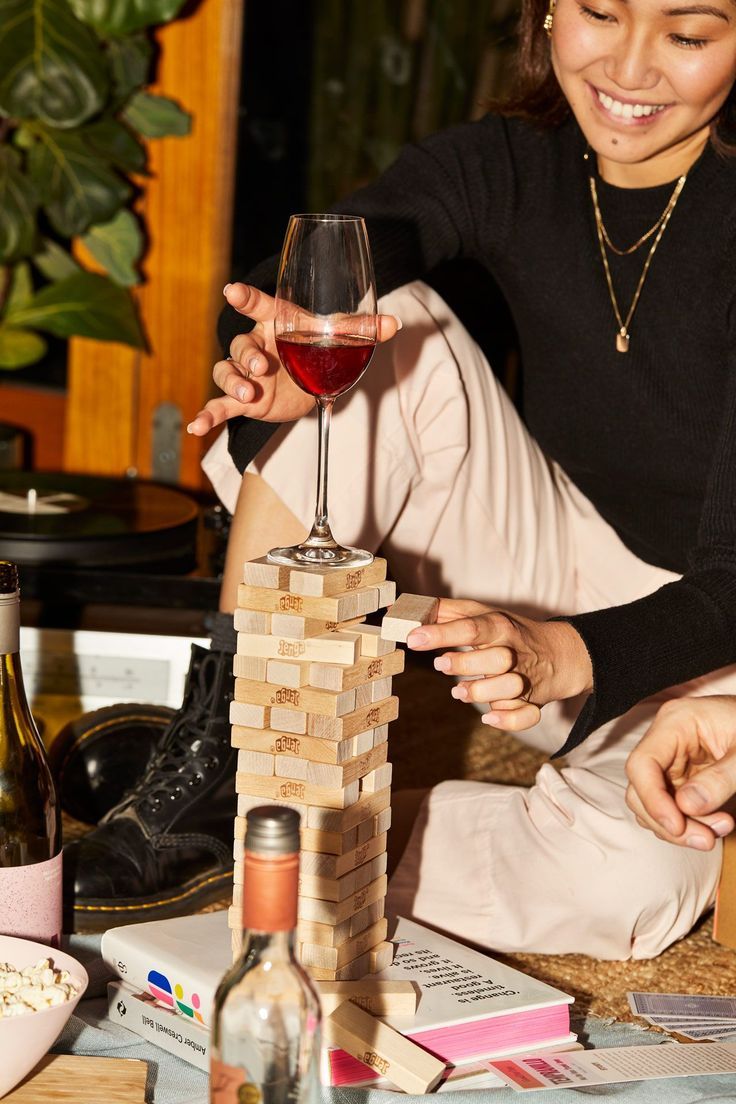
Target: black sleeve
<point>681,631</point>
<point>426,208</point>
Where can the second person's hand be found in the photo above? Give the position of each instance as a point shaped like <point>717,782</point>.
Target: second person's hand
<point>252,380</point>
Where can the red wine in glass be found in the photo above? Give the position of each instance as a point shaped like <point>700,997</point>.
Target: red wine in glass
<point>326,366</point>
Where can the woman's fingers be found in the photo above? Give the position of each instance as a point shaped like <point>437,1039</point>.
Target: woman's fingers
<point>233,379</point>
<point>214,413</point>
<point>693,833</point>
<point>251,301</point>
<point>484,661</point>
<point>506,686</point>
<point>464,632</point>
<point>387,326</point>
<point>512,716</point>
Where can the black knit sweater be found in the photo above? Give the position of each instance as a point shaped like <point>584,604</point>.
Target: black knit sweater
<point>649,436</point>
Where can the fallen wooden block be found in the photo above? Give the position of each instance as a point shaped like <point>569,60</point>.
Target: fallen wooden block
<point>380,998</point>
<point>332,676</point>
<point>337,647</point>
<point>382,1049</point>
<point>82,1080</point>
<point>305,699</point>
<point>323,582</point>
<point>331,958</point>
<point>408,612</point>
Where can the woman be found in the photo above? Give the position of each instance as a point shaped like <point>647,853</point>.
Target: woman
<point>602,202</point>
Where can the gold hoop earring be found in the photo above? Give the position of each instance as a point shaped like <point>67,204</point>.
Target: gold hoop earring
<point>550,18</point>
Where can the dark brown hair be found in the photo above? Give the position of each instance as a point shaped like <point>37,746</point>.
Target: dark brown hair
<point>537,97</point>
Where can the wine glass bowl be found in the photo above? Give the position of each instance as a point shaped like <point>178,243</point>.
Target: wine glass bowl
<point>325,330</point>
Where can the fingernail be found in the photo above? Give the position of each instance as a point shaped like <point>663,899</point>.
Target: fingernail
<point>189,428</point>
<point>459,692</point>
<point>224,290</point>
<point>491,719</point>
<point>253,363</point>
<point>442,663</point>
<point>697,842</point>
<point>698,797</point>
<point>399,324</point>
<point>240,394</point>
<point>720,827</point>
<point>416,639</point>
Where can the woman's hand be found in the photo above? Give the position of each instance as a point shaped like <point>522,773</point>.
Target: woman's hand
<point>253,381</point>
<point>514,663</point>
<point>684,771</point>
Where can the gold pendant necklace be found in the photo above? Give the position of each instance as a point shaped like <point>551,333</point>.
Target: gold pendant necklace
<point>623,337</point>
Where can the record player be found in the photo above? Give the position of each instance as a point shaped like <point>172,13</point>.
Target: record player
<point>84,543</point>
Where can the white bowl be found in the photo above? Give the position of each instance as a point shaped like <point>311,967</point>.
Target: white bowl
<point>25,1039</point>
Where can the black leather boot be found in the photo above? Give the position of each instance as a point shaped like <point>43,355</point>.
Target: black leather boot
<point>167,847</point>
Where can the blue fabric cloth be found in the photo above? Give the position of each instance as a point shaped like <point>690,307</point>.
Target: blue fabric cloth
<point>172,1081</point>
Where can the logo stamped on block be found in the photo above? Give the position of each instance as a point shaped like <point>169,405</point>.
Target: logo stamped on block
<point>288,745</point>
<point>375,668</point>
<point>291,602</point>
<point>292,789</point>
<point>353,579</point>
<point>285,695</point>
<point>293,648</point>
<point>372,717</point>
<point>375,1061</point>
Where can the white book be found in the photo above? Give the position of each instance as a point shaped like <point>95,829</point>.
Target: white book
<point>172,1031</point>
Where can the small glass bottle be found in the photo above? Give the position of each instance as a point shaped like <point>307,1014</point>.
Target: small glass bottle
<point>266,1019</point>
<point>30,820</point>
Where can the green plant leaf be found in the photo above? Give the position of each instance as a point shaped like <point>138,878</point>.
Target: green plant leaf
<point>156,116</point>
<point>114,17</point>
<point>117,245</point>
<point>18,202</point>
<point>19,348</point>
<point>76,187</point>
<point>85,305</point>
<point>54,262</point>
<point>114,142</point>
<point>21,287</point>
<point>130,64</point>
<point>51,64</point>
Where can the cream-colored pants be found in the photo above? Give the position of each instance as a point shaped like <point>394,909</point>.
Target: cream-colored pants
<point>430,462</point>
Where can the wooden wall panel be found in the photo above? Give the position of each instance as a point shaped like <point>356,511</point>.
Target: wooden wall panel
<point>187,205</point>
<point>42,412</point>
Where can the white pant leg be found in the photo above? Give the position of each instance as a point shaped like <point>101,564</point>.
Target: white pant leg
<point>429,460</point>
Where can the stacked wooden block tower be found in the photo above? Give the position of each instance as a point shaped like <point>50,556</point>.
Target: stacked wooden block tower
<point>310,718</point>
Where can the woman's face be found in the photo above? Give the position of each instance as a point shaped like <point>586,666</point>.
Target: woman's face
<point>644,79</point>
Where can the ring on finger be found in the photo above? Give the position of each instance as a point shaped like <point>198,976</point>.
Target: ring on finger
<point>246,372</point>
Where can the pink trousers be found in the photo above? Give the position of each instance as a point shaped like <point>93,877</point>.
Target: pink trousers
<point>430,462</point>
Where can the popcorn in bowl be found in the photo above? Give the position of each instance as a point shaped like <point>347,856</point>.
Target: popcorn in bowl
<point>34,988</point>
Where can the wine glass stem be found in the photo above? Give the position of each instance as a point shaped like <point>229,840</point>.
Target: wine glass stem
<point>321,532</point>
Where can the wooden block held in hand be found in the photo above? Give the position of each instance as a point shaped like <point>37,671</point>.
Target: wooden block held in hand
<point>408,612</point>
<point>380,998</point>
<point>382,1049</point>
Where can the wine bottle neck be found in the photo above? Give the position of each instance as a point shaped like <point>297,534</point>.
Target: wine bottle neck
<point>10,623</point>
<point>273,946</point>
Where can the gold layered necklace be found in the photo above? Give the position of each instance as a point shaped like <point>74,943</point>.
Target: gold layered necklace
<point>623,337</point>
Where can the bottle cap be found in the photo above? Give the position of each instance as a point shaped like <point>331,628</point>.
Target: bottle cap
<point>8,577</point>
<point>272,830</point>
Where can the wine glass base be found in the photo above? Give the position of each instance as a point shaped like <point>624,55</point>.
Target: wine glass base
<point>302,555</point>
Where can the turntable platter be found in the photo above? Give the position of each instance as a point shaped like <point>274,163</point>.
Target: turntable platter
<point>50,518</point>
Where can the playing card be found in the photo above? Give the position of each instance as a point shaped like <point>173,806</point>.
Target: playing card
<point>677,1005</point>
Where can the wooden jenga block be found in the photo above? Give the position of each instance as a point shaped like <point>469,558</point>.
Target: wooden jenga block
<point>371,692</point>
<point>291,721</point>
<point>329,775</point>
<point>248,801</point>
<point>382,821</point>
<point>287,767</point>
<point>313,954</point>
<point>289,790</point>
<point>352,971</point>
<point>350,724</point>
<point>375,826</point>
<point>363,919</point>
<point>331,676</point>
<point>334,866</point>
<point>295,746</point>
<point>250,667</point>
<point>324,582</point>
<point>298,627</point>
<point>363,742</point>
<point>380,734</point>
<point>408,612</point>
<point>342,607</point>
<point>372,643</point>
<point>383,1049</point>
<point>256,762</point>
<point>249,716</point>
<point>263,573</point>
<point>386,594</point>
<point>334,935</point>
<point>336,647</point>
<point>252,621</point>
<point>724,923</point>
<point>380,998</point>
<point>339,889</point>
<point>342,820</point>
<point>334,912</point>
<point>305,699</point>
<point>284,672</point>
<point>376,779</point>
<point>333,843</point>
<point>381,957</point>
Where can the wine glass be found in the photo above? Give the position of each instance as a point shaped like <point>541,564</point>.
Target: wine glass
<point>325,329</point>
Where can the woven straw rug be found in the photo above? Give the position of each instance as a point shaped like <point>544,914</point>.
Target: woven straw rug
<point>436,738</point>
